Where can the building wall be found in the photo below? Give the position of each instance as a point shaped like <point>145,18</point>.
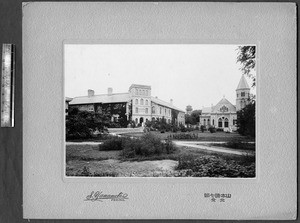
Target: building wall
<point>213,120</point>
<point>181,118</point>
<point>141,103</point>
<point>242,98</point>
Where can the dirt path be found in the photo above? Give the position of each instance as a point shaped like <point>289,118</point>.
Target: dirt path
<point>195,144</point>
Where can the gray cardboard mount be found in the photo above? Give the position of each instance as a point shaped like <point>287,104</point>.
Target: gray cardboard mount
<point>272,26</point>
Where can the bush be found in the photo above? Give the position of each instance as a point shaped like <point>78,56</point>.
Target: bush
<point>212,129</point>
<point>213,166</point>
<point>219,130</point>
<point>184,136</point>
<point>182,128</point>
<point>114,143</point>
<point>202,128</point>
<point>240,145</point>
<point>170,148</point>
<point>147,145</point>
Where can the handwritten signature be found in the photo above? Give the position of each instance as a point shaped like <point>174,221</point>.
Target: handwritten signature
<point>100,196</point>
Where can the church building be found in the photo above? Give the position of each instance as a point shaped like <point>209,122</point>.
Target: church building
<point>137,105</point>
<point>224,114</point>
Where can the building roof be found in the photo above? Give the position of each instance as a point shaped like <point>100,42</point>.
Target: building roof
<point>218,106</point>
<point>243,83</point>
<point>166,104</point>
<point>140,86</point>
<point>206,110</point>
<point>221,103</point>
<point>102,98</point>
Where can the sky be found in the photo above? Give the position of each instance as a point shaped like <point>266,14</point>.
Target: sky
<point>191,74</point>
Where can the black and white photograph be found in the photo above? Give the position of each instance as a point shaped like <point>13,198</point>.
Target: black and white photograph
<point>160,110</point>
<point>128,107</point>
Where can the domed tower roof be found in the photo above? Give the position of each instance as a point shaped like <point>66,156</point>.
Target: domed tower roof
<point>243,84</point>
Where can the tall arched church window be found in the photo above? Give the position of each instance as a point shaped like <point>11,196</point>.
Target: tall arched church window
<point>208,121</point>
<point>142,101</point>
<point>213,122</point>
<point>160,110</point>
<point>204,121</point>
<point>136,110</point>
<point>136,101</point>
<point>243,94</point>
<point>220,123</point>
<point>146,102</point>
<point>136,120</point>
<point>226,122</point>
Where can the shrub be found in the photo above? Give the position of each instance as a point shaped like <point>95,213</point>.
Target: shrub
<point>147,145</point>
<point>202,128</point>
<point>214,166</point>
<point>184,136</point>
<point>170,148</point>
<point>114,143</point>
<point>240,145</point>
<point>212,129</point>
<point>182,128</point>
<point>219,130</point>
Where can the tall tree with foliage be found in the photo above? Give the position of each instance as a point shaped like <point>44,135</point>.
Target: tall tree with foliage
<point>82,124</point>
<point>246,116</point>
<point>246,56</point>
<point>246,120</point>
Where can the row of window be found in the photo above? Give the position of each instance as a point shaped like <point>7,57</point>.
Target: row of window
<point>140,92</point>
<point>141,102</point>
<point>153,119</point>
<point>137,110</point>
<point>220,122</point>
<point>161,110</point>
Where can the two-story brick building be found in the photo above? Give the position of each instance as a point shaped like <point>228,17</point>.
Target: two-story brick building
<point>137,105</point>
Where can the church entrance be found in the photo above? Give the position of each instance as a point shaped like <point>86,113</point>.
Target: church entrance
<point>141,120</point>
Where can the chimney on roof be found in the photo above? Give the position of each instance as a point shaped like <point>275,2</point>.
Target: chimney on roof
<point>171,101</point>
<point>90,92</point>
<point>109,91</point>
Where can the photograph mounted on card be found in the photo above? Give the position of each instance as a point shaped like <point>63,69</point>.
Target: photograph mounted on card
<point>129,107</point>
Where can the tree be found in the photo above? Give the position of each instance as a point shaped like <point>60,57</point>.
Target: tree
<point>82,124</point>
<point>196,115</point>
<point>246,120</point>
<point>246,56</point>
<point>193,118</point>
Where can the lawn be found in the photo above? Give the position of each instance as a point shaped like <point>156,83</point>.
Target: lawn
<point>201,136</point>
<point>87,160</point>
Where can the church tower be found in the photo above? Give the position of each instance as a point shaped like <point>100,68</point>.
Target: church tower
<point>242,94</point>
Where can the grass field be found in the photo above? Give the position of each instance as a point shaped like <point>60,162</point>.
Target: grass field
<point>202,136</point>
<point>87,159</point>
